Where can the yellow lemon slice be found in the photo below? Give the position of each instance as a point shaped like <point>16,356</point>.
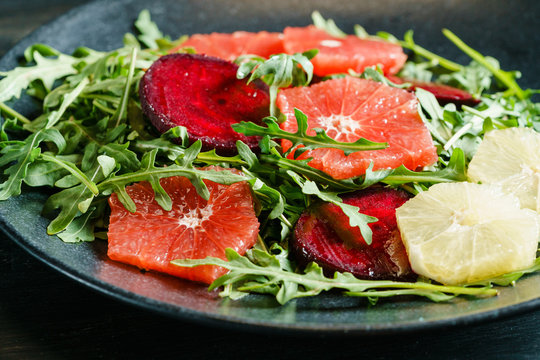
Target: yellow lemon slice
<point>457,233</point>
<point>510,158</point>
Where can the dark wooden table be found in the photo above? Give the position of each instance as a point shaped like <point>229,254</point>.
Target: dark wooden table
<point>44,315</point>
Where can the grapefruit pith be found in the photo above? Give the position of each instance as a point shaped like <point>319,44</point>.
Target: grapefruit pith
<point>231,46</point>
<point>338,55</point>
<point>195,228</point>
<point>350,108</point>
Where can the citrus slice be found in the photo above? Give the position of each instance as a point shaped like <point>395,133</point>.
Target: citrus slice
<point>510,158</point>
<point>231,46</point>
<point>350,108</point>
<point>339,54</point>
<point>195,228</point>
<point>459,233</point>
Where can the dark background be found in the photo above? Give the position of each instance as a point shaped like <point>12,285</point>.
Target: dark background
<point>44,315</point>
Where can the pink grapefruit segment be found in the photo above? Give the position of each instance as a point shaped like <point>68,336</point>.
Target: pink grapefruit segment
<point>231,46</point>
<point>350,108</point>
<point>338,55</point>
<point>195,228</point>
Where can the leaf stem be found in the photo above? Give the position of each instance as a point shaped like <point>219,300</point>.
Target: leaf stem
<point>74,171</point>
<point>409,43</point>
<point>122,108</point>
<point>11,112</point>
<point>503,76</point>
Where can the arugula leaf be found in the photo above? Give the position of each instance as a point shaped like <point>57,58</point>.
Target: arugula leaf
<point>267,274</point>
<point>301,167</point>
<point>356,218</point>
<point>12,113</point>
<point>46,173</point>
<point>69,98</point>
<point>149,31</point>
<point>454,171</point>
<point>121,111</point>
<point>505,77</point>
<point>270,197</point>
<point>47,70</point>
<point>300,137</point>
<point>327,25</point>
<point>280,71</point>
<point>72,201</point>
<point>149,172</point>
<point>22,155</point>
<point>80,229</point>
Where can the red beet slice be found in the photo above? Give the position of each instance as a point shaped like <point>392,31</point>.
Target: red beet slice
<point>323,235</point>
<point>445,94</point>
<point>203,94</point>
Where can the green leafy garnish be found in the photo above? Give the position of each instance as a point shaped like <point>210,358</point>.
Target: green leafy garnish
<point>300,137</point>
<point>280,71</point>
<point>266,273</point>
<point>91,140</point>
<point>149,31</point>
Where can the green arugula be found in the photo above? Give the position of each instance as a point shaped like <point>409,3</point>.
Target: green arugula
<point>300,137</point>
<point>91,140</point>
<point>45,69</point>
<point>263,272</point>
<point>280,71</point>
<point>149,31</point>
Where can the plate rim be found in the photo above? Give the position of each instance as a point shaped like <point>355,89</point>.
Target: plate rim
<point>211,319</point>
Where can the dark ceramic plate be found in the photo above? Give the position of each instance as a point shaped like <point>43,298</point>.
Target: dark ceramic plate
<point>498,28</point>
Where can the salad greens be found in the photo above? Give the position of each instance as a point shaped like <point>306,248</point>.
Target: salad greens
<point>91,140</point>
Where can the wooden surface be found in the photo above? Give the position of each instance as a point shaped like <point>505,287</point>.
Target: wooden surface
<point>44,315</point>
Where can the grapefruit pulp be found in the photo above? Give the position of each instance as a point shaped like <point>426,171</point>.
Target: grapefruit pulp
<point>339,54</point>
<point>231,46</point>
<point>195,228</point>
<point>350,108</point>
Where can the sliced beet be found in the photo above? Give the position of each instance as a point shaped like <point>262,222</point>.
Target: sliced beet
<point>323,235</point>
<point>445,94</point>
<point>202,94</point>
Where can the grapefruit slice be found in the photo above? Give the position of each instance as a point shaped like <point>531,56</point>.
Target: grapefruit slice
<point>231,46</point>
<point>339,54</point>
<point>350,108</point>
<point>195,228</point>
<point>323,235</point>
<point>202,94</point>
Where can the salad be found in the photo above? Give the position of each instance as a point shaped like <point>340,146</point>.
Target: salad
<point>98,144</point>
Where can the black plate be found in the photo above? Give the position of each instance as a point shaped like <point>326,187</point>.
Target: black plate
<point>498,28</point>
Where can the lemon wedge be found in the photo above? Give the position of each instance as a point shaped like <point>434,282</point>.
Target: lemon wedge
<point>458,233</point>
<point>510,158</point>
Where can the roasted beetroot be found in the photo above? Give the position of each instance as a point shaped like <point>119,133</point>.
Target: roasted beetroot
<point>323,235</point>
<point>445,94</point>
<point>202,94</point>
